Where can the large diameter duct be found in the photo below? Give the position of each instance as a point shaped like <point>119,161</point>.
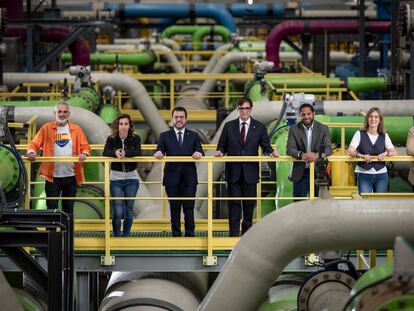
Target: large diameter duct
<point>171,58</point>
<point>218,54</point>
<point>138,59</point>
<point>180,291</point>
<point>288,28</point>
<point>94,127</point>
<point>351,107</point>
<point>78,49</point>
<point>177,10</point>
<point>168,42</point>
<point>134,88</point>
<point>222,65</point>
<point>323,225</point>
<point>8,297</point>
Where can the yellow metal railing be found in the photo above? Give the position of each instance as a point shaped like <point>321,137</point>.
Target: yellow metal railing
<point>210,243</point>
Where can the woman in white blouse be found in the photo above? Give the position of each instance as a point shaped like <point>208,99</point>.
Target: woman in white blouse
<point>372,140</point>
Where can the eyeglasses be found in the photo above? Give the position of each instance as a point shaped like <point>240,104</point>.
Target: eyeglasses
<point>244,108</point>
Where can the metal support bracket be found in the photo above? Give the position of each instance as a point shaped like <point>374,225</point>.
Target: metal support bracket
<point>210,261</point>
<point>107,260</point>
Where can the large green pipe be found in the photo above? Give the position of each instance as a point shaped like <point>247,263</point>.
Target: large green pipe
<point>364,84</point>
<point>198,33</point>
<point>305,82</point>
<point>138,59</point>
<point>86,98</point>
<point>9,169</point>
<point>179,30</point>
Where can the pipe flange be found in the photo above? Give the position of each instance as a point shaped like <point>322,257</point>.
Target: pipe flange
<point>380,294</point>
<point>317,280</point>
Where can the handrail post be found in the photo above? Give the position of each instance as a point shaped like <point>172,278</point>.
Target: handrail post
<point>312,180</point>
<point>28,166</point>
<point>210,260</point>
<point>107,259</point>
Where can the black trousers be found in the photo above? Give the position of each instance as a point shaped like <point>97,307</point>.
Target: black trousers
<point>301,187</point>
<point>61,186</point>
<point>188,209</point>
<point>241,189</point>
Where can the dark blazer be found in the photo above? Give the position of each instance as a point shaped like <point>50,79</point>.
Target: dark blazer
<point>230,143</point>
<point>179,172</point>
<point>132,147</point>
<point>297,142</point>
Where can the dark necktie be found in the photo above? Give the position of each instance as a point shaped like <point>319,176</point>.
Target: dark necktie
<point>180,138</point>
<point>243,132</point>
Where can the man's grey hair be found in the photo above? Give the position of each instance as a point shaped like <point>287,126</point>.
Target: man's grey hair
<point>61,103</point>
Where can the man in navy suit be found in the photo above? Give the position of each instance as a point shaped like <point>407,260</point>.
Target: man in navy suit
<point>242,137</point>
<point>180,179</point>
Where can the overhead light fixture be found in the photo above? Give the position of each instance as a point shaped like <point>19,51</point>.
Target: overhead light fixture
<point>250,2</point>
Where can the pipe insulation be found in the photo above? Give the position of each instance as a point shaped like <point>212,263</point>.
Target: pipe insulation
<point>134,88</point>
<point>322,225</point>
<point>288,28</point>
<point>222,65</point>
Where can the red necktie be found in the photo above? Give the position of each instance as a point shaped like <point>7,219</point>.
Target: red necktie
<point>243,132</point>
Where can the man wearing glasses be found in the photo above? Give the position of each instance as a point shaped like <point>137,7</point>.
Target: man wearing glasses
<point>242,137</point>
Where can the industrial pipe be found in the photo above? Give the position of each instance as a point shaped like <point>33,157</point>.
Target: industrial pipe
<point>171,58</point>
<point>322,225</point>
<point>137,59</point>
<point>222,65</point>
<point>287,28</point>
<point>168,42</point>
<point>134,88</point>
<point>177,10</point>
<point>78,49</point>
<point>86,98</point>
<point>218,54</point>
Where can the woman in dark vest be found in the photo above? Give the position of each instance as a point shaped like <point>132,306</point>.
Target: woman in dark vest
<point>123,176</point>
<point>372,140</point>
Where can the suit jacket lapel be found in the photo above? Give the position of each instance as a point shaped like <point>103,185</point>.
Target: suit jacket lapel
<point>303,135</point>
<point>186,138</point>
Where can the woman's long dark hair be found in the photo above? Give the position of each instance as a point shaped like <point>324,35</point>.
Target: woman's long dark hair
<point>115,125</point>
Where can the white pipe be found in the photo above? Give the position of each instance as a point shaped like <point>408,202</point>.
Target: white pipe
<point>168,42</point>
<point>297,229</point>
<point>94,127</point>
<point>222,65</point>
<point>172,60</point>
<point>119,81</point>
<point>218,54</point>
<point>336,13</point>
<point>149,294</point>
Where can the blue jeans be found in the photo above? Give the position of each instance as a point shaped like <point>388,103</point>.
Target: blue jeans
<point>123,208</point>
<point>372,182</point>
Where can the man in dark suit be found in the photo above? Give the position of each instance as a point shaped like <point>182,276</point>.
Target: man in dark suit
<point>180,179</point>
<point>242,137</point>
<point>304,140</point>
